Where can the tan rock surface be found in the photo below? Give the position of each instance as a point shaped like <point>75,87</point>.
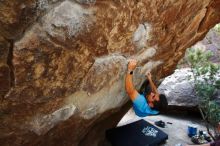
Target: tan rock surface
<point>69,59</point>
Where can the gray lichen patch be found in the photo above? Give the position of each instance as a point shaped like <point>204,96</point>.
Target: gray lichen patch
<point>150,66</point>
<point>42,4</point>
<point>43,123</point>
<point>46,4</point>
<point>90,105</point>
<point>88,2</point>
<point>67,20</point>
<point>104,72</point>
<point>141,35</point>
<point>145,54</point>
<point>90,112</point>
<point>102,88</point>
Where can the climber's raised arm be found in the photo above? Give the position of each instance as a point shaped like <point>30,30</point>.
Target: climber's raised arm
<point>130,89</point>
<point>152,85</point>
<point>147,103</point>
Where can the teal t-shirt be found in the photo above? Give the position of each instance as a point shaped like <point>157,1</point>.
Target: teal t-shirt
<point>141,107</point>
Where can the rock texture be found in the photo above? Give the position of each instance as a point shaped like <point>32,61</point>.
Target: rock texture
<point>179,88</point>
<point>62,62</point>
<point>211,43</point>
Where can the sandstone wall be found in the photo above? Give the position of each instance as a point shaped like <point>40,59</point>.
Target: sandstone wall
<point>62,62</point>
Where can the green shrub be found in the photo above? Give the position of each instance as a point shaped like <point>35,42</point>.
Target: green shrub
<point>206,84</point>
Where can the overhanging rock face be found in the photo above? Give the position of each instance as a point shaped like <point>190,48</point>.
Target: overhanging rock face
<point>63,61</point>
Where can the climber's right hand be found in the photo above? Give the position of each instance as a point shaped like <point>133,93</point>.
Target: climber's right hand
<point>132,64</point>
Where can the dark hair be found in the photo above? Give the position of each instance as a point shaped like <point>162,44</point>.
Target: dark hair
<point>162,104</point>
<point>145,88</point>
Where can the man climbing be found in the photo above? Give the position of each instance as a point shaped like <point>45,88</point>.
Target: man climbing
<point>149,103</point>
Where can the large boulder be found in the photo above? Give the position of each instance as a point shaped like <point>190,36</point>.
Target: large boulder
<point>179,88</point>
<point>212,43</point>
<point>66,62</point>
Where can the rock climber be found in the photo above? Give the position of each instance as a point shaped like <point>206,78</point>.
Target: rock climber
<point>148,103</point>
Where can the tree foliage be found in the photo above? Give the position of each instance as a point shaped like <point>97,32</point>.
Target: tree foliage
<point>206,84</point>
